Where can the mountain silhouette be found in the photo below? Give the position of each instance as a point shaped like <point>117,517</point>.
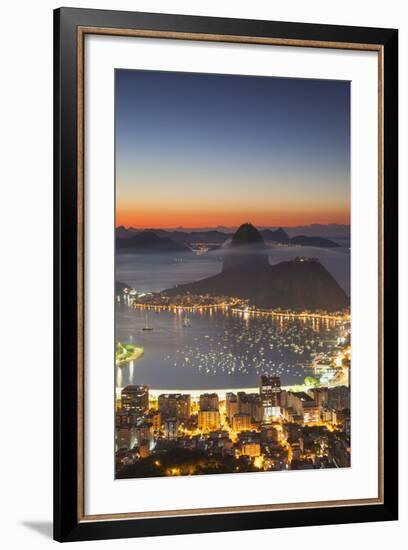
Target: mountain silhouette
<point>302,283</point>
<point>246,250</point>
<point>278,235</point>
<point>148,242</point>
<point>319,242</point>
<point>215,236</point>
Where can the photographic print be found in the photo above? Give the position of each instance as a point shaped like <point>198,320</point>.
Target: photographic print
<point>232,274</point>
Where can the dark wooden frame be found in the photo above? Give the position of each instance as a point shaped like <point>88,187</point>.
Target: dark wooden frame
<point>69,24</point>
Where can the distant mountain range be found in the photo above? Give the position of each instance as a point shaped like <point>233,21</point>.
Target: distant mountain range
<point>329,230</point>
<point>297,284</point>
<point>148,242</point>
<point>138,242</point>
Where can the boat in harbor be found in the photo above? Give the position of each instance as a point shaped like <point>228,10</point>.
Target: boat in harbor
<point>186,322</point>
<point>147,326</point>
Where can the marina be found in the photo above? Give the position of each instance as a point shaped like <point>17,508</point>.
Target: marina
<point>221,348</point>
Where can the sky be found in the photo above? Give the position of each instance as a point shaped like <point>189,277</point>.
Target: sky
<point>202,150</point>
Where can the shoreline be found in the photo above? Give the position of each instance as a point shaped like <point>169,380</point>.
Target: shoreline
<point>195,393</point>
<point>250,311</point>
<point>137,353</point>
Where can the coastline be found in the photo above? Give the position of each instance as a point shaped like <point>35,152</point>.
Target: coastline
<point>137,353</point>
<point>195,393</point>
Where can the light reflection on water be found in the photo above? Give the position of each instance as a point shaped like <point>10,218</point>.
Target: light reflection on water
<point>218,349</point>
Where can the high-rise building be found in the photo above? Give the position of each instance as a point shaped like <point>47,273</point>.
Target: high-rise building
<point>250,403</point>
<point>209,420</point>
<point>241,422</point>
<point>135,399</point>
<point>328,415</point>
<point>209,402</point>
<point>125,418</point>
<point>244,404</point>
<point>125,437</point>
<point>144,433</point>
<point>256,409</point>
<point>175,405</point>
<point>269,434</point>
<point>311,412</point>
<point>320,395</point>
<point>170,428</point>
<point>231,401</point>
<point>291,404</point>
<point>270,392</point>
<point>251,448</point>
<point>155,418</point>
<point>339,398</point>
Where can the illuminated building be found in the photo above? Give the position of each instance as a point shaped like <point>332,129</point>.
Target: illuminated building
<point>320,395</point>
<point>241,422</point>
<point>144,433</point>
<point>244,404</point>
<point>251,448</point>
<point>135,399</point>
<point>155,418</point>
<point>177,405</point>
<point>209,402</point>
<point>231,401</point>
<point>311,412</point>
<point>270,392</point>
<point>292,405</point>
<point>144,450</point>
<point>209,420</point>
<point>269,434</point>
<point>250,403</point>
<point>125,437</point>
<point>339,398</point>
<point>328,415</point>
<point>124,418</point>
<point>170,428</point>
<point>256,409</point>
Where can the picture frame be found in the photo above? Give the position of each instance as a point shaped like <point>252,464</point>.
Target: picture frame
<point>71,27</point>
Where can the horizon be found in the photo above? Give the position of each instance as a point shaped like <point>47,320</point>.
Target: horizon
<point>232,227</point>
<point>273,150</point>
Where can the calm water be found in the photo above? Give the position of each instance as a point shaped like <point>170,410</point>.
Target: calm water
<point>218,350</point>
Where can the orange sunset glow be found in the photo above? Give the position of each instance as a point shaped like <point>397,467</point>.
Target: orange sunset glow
<point>128,218</point>
<point>217,150</point>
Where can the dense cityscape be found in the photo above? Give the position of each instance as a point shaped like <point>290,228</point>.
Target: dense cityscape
<point>274,428</point>
<point>232,274</point>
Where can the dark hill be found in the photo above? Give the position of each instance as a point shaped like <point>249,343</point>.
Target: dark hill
<point>149,242</point>
<point>321,242</point>
<point>247,249</point>
<point>122,233</point>
<point>213,236</point>
<point>219,237</point>
<point>296,284</point>
<point>277,236</point>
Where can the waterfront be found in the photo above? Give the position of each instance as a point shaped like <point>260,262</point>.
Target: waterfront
<point>219,349</point>
<point>245,329</point>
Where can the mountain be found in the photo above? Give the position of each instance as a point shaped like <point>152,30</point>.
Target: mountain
<point>194,237</point>
<point>149,242</point>
<point>328,231</point>
<point>220,236</point>
<point>247,248</point>
<point>320,242</point>
<point>278,235</point>
<point>297,284</point>
<point>122,233</point>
